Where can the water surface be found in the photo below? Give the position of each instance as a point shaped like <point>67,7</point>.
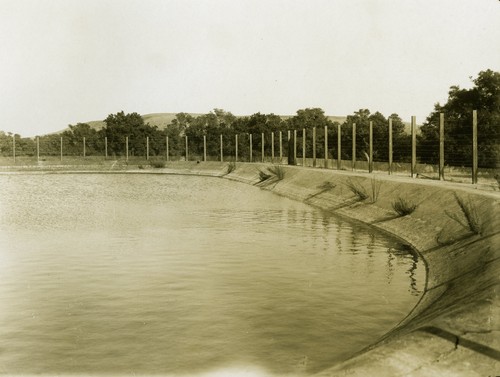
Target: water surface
<point>181,275</point>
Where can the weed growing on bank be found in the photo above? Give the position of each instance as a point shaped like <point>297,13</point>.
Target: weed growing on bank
<point>357,189</point>
<point>375,186</point>
<point>273,173</point>
<point>277,171</point>
<point>469,212</point>
<point>403,207</point>
<point>230,167</point>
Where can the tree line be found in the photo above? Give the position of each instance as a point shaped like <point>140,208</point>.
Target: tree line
<point>484,97</point>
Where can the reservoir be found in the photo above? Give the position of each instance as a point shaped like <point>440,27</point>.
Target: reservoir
<point>139,274</point>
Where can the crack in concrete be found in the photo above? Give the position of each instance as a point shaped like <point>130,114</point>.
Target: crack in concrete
<point>462,342</point>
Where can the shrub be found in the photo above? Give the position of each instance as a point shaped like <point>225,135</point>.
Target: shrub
<point>357,189</point>
<point>403,207</point>
<point>472,221</point>
<point>157,164</point>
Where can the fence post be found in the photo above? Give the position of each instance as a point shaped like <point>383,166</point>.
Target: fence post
<point>353,146</point>
<point>413,146</point>
<point>251,148</point>
<point>441,146</point>
<point>105,147</point>
<point>37,148</point>
<point>126,147</point>
<point>204,148</point>
<point>236,148</point>
<point>262,139</point>
<point>221,150</point>
<point>14,147</point>
<point>370,156</point>
<point>166,149</point>
<point>84,148</point>
<point>474,147</point>
<point>290,156</point>
<point>281,147</point>
<point>61,157</point>
<point>187,149</point>
<point>147,147</point>
<point>314,146</point>
<point>272,147</point>
<point>295,146</point>
<point>326,147</point>
<point>303,147</point>
<point>339,148</point>
<point>390,146</point>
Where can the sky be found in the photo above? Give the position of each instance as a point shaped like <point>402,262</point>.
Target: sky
<point>69,61</point>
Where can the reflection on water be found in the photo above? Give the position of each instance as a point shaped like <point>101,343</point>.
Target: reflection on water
<point>135,274</point>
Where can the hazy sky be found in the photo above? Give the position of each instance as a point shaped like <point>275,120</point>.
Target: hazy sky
<point>69,61</point>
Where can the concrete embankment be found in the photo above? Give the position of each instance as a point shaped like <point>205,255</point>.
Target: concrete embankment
<point>454,330</point>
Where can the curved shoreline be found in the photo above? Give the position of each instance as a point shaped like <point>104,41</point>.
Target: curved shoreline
<point>454,328</point>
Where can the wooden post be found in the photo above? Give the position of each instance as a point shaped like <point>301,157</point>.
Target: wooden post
<point>290,156</point>
<point>61,157</point>
<point>105,147</point>
<point>326,147</point>
<point>262,144</point>
<point>38,148</point>
<point>303,147</point>
<point>474,147</point>
<point>205,148</point>
<point>84,148</point>
<point>441,146</point>
<point>314,146</point>
<point>236,148</point>
<point>413,146</point>
<point>281,147</point>
<point>221,150</point>
<point>272,146</point>
<point>370,154</point>
<point>14,147</point>
<point>147,147</point>
<point>126,147</point>
<point>187,149</point>
<point>390,146</point>
<point>295,146</point>
<point>251,148</point>
<point>166,149</point>
<point>339,148</point>
<point>353,146</point>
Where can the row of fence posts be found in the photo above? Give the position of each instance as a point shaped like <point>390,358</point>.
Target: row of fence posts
<point>294,142</point>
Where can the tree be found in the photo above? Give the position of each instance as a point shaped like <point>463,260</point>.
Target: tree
<point>121,125</point>
<point>308,119</point>
<point>73,141</point>
<point>483,97</point>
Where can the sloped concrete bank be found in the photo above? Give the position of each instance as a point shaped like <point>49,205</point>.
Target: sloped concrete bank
<point>454,330</point>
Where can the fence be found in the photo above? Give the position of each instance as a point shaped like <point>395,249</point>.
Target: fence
<point>329,148</point>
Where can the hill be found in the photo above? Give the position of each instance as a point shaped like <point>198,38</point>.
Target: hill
<point>162,120</point>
